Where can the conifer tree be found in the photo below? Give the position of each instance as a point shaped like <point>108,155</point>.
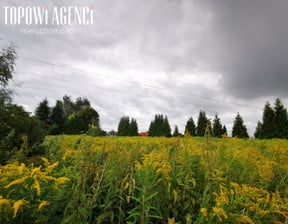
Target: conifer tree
<point>159,126</point>
<point>133,128</point>
<point>239,129</point>
<point>42,112</point>
<point>257,133</point>
<point>57,119</point>
<point>166,129</point>
<point>190,127</point>
<point>123,126</point>
<point>201,124</point>
<point>217,127</point>
<point>176,131</point>
<point>224,130</point>
<point>280,120</point>
<point>268,124</point>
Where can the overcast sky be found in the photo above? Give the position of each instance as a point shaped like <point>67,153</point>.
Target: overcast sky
<point>174,57</point>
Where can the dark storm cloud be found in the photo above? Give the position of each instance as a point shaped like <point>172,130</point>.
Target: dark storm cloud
<point>249,42</point>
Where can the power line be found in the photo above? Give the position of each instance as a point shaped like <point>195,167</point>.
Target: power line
<point>69,67</point>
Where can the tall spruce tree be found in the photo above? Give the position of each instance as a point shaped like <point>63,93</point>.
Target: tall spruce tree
<point>155,125</point>
<point>190,127</point>
<point>257,133</point>
<point>176,131</point>
<point>268,124</point>
<point>57,119</point>
<point>201,123</point>
<point>217,127</point>
<point>160,126</point>
<point>166,129</point>
<point>133,128</point>
<point>280,120</point>
<point>224,131</point>
<point>239,129</point>
<point>42,111</point>
<point>123,126</point>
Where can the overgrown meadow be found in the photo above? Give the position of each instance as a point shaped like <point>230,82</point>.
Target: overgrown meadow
<point>82,179</point>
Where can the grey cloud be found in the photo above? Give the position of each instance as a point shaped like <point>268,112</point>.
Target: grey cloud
<point>248,42</point>
<point>169,44</point>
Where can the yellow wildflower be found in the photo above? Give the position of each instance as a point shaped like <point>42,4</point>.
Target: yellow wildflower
<point>265,171</point>
<point>14,182</point>
<point>36,185</point>
<point>68,153</point>
<point>245,219</point>
<point>45,178</point>
<point>171,220</point>
<point>46,162</point>
<point>36,171</point>
<point>138,166</point>
<point>21,168</point>
<point>220,213</point>
<point>62,180</point>
<point>204,212</point>
<point>4,201</point>
<point>51,167</point>
<point>222,198</point>
<point>42,204</point>
<point>237,188</point>
<point>16,206</point>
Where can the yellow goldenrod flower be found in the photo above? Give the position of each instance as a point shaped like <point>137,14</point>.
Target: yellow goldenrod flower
<point>16,206</point>
<point>204,212</point>
<point>36,171</point>
<point>36,185</point>
<point>18,181</point>
<point>68,153</point>
<point>222,198</point>
<point>171,220</point>
<point>42,204</point>
<point>245,219</point>
<point>265,171</point>
<point>138,166</point>
<point>46,162</point>
<point>21,168</point>
<point>220,213</point>
<point>62,180</point>
<point>51,167</point>
<point>236,187</point>
<point>4,201</point>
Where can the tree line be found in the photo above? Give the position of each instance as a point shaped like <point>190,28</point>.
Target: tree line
<point>69,117</point>
<point>21,133</point>
<point>160,126</point>
<point>274,124</point>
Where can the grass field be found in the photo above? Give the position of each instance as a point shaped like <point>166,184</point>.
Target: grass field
<point>82,179</point>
